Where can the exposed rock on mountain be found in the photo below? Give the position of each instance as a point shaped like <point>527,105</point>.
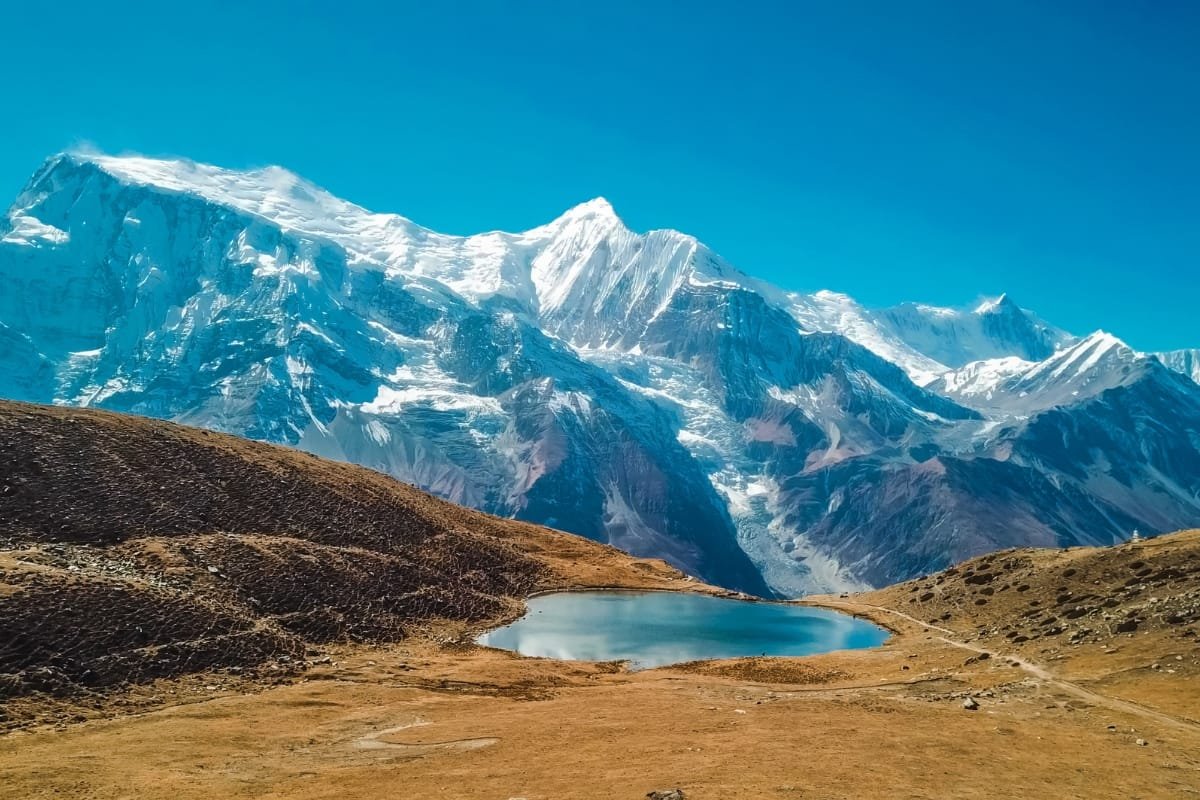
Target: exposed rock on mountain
<point>634,388</point>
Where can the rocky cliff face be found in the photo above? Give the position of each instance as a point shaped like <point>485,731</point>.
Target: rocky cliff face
<point>634,388</point>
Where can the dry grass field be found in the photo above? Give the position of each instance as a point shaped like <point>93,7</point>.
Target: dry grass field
<point>188,615</point>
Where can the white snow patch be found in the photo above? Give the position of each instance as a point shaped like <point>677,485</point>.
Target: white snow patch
<point>32,232</point>
<point>394,401</point>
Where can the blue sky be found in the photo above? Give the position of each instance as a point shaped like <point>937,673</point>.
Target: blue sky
<point>931,151</point>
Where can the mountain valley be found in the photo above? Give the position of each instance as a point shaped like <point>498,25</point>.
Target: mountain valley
<point>193,615</point>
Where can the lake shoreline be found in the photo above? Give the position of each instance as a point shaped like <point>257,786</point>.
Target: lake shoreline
<point>657,628</point>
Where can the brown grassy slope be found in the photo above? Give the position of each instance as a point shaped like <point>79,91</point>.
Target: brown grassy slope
<point>1045,599</point>
<point>133,549</point>
<point>1123,619</point>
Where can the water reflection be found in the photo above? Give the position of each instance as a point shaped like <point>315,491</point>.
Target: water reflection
<point>652,629</point>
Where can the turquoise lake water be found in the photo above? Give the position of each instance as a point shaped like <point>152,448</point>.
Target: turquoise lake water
<point>652,629</point>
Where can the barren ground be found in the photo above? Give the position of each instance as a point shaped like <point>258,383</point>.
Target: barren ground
<point>1088,653</point>
<point>422,719</point>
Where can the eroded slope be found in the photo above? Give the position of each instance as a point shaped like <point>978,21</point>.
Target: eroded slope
<point>133,549</point>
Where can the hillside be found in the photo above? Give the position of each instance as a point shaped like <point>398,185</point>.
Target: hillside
<point>926,715</point>
<point>133,549</point>
<point>1125,620</point>
<point>1042,601</point>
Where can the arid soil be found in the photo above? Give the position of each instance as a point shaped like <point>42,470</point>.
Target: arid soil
<point>1125,619</point>
<point>418,719</point>
<point>1106,707</point>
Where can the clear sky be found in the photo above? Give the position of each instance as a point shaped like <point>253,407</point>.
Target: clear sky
<point>929,151</point>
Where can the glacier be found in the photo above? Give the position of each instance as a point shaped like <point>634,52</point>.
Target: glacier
<point>634,388</point>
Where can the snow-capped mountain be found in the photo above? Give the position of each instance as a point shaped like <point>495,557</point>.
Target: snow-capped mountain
<point>1011,385</point>
<point>992,329</point>
<point>1186,362</point>
<point>634,388</point>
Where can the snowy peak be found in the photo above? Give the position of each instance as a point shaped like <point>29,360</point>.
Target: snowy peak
<point>995,328</point>
<point>1003,305</point>
<point>1097,349</point>
<point>598,283</point>
<point>999,304</point>
<point>271,195</point>
<point>1012,386</point>
<point>270,192</point>
<point>593,220</point>
<point>598,210</point>
<point>585,272</point>
<point>585,276</point>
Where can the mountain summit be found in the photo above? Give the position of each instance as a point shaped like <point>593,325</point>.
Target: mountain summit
<point>632,387</point>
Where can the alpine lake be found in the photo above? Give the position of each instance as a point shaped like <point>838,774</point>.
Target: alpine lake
<point>654,629</point>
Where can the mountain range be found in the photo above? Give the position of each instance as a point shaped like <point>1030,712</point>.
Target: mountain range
<point>634,388</point>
